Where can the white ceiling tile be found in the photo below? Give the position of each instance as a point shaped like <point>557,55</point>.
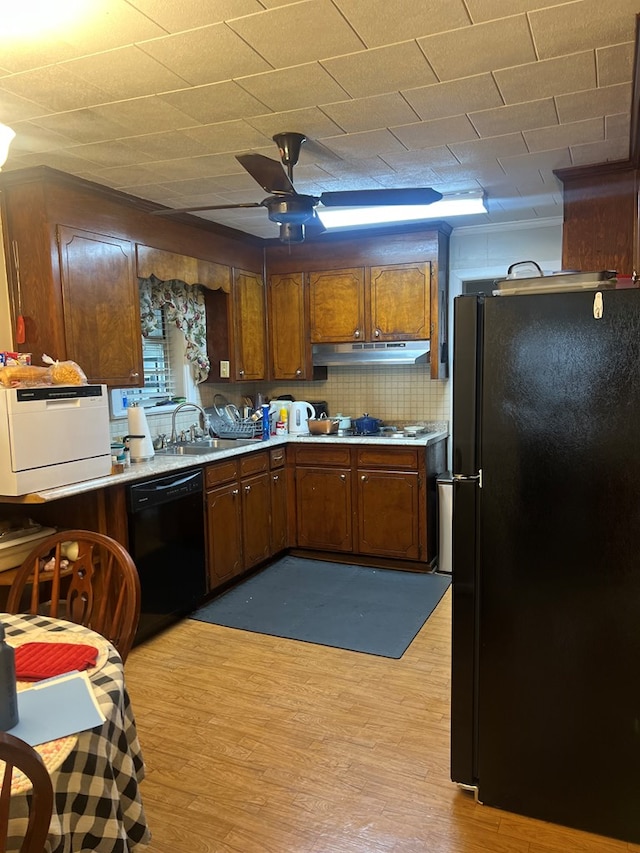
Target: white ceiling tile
<point>547,77</point>
<point>575,133</point>
<point>526,164</point>
<point>110,153</point>
<point>617,126</point>
<point>112,24</point>
<point>614,64</point>
<point>442,131</point>
<point>437,157</point>
<point>481,150</point>
<point>311,121</point>
<point>489,10</point>
<point>483,47</point>
<point>55,88</point>
<point>293,88</point>
<point>124,73</point>
<point>516,117</point>
<point>596,102</point>
<point>206,55</point>
<point>140,114</point>
<point>85,125</point>
<point>379,70</point>
<point>454,97</point>
<point>362,145</point>
<point>584,25</point>
<point>166,145</point>
<point>379,22</point>
<point>189,14</point>
<point>235,136</point>
<point>214,102</point>
<point>293,35</point>
<point>600,152</point>
<point>377,111</point>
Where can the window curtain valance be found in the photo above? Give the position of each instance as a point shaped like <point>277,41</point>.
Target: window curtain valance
<point>184,306</point>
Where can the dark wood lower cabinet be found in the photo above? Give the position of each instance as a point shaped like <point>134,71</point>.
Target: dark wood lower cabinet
<point>323,505</point>
<point>224,534</point>
<point>388,514</point>
<point>246,514</point>
<point>363,500</point>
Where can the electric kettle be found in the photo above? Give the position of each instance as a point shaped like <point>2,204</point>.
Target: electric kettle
<point>298,414</point>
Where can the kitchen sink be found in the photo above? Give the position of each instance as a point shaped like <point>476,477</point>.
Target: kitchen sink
<point>207,445</point>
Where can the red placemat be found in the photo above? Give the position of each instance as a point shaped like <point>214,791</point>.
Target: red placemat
<point>35,661</point>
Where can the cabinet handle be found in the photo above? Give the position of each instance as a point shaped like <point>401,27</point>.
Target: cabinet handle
<point>235,493</point>
<point>275,478</point>
<point>363,478</point>
<point>134,374</point>
<point>241,373</point>
<point>356,334</point>
<point>247,489</point>
<point>343,476</point>
<point>298,372</point>
<point>376,334</point>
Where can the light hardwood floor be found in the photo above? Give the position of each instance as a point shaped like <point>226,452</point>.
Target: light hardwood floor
<point>255,744</point>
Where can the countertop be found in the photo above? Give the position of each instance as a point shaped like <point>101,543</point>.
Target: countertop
<point>167,464</point>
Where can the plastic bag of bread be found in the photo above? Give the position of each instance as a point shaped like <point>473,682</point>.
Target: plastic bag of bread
<point>24,375</point>
<point>65,372</point>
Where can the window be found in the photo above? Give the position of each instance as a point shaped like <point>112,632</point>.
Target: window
<point>166,373</point>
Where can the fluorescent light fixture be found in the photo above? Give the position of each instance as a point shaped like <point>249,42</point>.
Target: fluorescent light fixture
<point>6,136</point>
<point>452,204</point>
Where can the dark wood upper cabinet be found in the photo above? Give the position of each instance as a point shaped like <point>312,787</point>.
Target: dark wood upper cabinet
<point>600,218</point>
<point>98,285</point>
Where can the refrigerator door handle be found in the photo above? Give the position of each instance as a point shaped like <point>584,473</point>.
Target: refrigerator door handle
<point>465,478</point>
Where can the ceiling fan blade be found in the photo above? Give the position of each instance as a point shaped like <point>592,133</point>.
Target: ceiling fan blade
<point>204,207</point>
<point>267,172</point>
<point>381,197</point>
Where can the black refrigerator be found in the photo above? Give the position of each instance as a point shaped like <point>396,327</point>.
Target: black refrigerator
<point>545,717</point>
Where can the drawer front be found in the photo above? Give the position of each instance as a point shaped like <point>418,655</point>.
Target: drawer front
<point>309,454</point>
<point>254,463</point>
<point>396,458</point>
<point>277,457</point>
<point>221,472</point>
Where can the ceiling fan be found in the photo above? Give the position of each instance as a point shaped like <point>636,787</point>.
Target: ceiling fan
<point>292,210</point>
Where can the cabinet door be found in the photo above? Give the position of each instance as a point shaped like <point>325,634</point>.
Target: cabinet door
<point>290,355</point>
<point>249,317</point>
<point>99,284</point>
<point>278,511</point>
<point>256,520</point>
<point>388,517</point>
<point>224,533</point>
<point>400,302</point>
<point>323,504</point>
<point>337,305</point>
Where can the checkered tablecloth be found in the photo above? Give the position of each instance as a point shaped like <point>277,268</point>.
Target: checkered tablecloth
<point>97,804</point>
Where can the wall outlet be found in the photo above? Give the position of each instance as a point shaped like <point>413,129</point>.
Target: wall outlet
<point>224,370</point>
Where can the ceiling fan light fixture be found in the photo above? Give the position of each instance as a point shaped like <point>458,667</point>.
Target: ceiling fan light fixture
<point>452,204</point>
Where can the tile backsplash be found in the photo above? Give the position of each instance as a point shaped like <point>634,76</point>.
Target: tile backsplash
<point>396,394</point>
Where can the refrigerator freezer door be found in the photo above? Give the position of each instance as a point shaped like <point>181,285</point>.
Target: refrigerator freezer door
<point>464,675</point>
<point>559,538</point>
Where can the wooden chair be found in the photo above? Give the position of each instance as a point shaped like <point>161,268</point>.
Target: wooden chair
<point>85,577</point>
<point>16,753</point>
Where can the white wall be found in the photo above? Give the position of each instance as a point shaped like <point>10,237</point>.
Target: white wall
<point>487,251</point>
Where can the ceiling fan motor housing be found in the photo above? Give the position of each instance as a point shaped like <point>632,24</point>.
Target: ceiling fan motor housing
<point>296,209</point>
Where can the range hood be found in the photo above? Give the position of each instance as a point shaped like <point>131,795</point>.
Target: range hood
<point>391,352</point>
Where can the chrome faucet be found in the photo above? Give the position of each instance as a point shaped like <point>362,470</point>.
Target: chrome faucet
<point>204,420</point>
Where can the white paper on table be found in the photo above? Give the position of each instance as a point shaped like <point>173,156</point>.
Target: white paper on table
<point>57,707</point>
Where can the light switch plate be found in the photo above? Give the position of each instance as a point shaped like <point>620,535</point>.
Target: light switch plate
<point>224,369</point>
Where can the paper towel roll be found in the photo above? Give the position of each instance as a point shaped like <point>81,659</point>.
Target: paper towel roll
<point>140,449</point>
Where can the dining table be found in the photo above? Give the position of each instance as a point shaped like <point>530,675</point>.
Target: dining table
<point>96,773</point>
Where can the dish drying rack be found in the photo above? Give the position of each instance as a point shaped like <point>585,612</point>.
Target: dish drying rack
<point>226,422</point>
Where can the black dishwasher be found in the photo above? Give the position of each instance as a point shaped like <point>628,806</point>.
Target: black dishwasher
<point>167,543</point>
